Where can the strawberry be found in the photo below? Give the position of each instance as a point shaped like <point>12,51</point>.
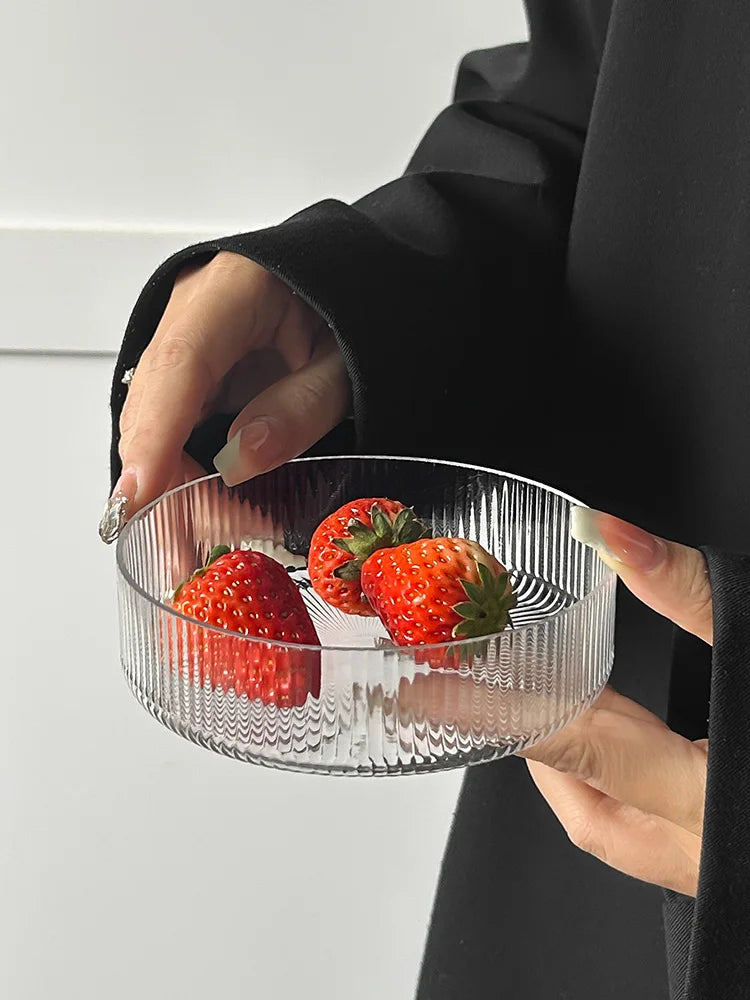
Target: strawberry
<point>249,593</point>
<point>438,589</point>
<point>342,543</point>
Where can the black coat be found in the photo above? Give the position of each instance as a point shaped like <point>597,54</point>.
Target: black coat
<point>568,254</point>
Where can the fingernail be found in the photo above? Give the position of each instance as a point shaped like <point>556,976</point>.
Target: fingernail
<point>116,510</point>
<point>617,542</point>
<point>240,458</point>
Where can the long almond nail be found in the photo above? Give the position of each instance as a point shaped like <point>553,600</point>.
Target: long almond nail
<point>240,458</point>
<point>619,543</point>
<point>116,510</point>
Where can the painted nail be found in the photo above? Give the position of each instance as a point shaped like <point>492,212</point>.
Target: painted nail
<point>619,543</point>
<point>116,509</point>
<point>240,458</point>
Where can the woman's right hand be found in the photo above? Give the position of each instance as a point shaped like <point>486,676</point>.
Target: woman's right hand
<point>233,339</point>
<point>625,787</point>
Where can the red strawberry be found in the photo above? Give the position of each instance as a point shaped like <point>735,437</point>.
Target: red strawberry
<point>250,593</point>
<point>346,538</point>
<point>438,589</point>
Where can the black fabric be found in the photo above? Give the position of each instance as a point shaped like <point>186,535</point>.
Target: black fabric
<point>690,686</point>
<point>708,939</point>
<point>719,964</point>
<point>448,262</point>
<point>679,913</point>
<point>567,258</point>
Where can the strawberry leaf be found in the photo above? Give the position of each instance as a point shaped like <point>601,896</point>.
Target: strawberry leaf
<point>350,570</point>
<point>467,610</point>
<point>471,630</point>
<point>408,528</point>
<point>381,522</point>
<point>216,553</point>
<point>488,609</point>
<point>401,520</point>
<point>474,591</point>
<point>358,530</point>
<point>362,540</point>
<point>344,544</point>
<point>485,575</point>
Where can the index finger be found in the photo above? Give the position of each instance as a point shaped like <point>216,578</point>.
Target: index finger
<point>215,315</point>
<point>670,578</point>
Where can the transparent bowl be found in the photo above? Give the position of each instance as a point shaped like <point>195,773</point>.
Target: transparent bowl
<point>357,704</point>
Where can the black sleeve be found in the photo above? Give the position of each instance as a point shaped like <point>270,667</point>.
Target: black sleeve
<point>708,939</point>
<point>430,282</point>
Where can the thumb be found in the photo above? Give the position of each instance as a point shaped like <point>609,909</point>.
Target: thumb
<point>668,577</point>
<point>288,417</point>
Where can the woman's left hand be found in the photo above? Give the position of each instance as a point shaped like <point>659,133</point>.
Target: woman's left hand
<point>625,787</point>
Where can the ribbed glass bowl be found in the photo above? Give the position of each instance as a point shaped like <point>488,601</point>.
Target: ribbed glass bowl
<point>368,708</point>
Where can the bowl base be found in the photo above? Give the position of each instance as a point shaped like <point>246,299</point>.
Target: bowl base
<point>307,764</point>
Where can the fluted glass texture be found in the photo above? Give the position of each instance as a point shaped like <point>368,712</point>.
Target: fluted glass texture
<point>357,704</point>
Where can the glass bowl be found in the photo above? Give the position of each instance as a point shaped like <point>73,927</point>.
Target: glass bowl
<point>358,704</point>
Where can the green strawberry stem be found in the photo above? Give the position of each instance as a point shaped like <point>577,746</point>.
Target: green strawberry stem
<point>216,553</point>
<point>488,607</point>
<point>384,534</point>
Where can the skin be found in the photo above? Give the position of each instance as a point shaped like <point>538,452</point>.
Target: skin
<point>235,339</point>
<point>626,788</point>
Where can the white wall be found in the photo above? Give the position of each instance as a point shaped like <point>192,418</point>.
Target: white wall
<point>152,124</point>
<point>127,130</point>
<point>171,115</point>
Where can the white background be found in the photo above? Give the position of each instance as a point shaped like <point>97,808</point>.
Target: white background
<point>131,863</point>
<point>164,122</point>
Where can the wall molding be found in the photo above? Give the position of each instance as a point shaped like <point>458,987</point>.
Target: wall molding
<point>71,289</point>
<point>32,352</point>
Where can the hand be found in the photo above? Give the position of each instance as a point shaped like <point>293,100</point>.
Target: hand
<point>625,787</point>
<point>233,339</point>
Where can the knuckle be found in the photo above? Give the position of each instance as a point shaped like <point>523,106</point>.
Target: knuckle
<point>584,834</point>
<point>700,599</point>
<point>591,828</point>
<point>580,760</point>
<point>690,570</point>
<point>176,350</point>
<point>311,393</point>
<point>226,260</point>
<point>179,350</point>
<point>574,751</point>
<point>235,268</point>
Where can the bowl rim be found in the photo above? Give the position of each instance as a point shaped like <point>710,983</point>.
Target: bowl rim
<point>607,578</point>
